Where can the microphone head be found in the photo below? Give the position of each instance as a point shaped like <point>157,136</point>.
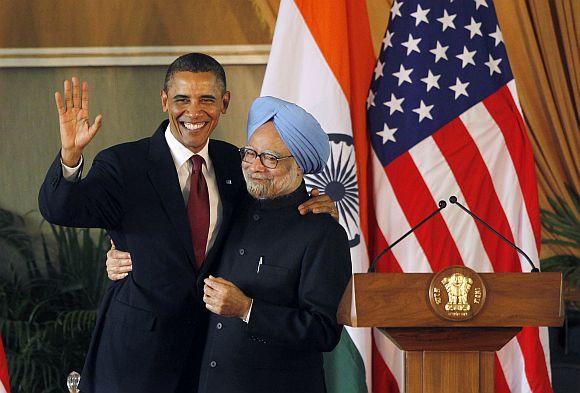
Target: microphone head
<point>453,199</point>
<point>442,204</point>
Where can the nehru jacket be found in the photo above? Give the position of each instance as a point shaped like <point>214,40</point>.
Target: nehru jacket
<point>295,268</point>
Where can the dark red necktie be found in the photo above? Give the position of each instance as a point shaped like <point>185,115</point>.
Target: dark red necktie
<point>198,209</point>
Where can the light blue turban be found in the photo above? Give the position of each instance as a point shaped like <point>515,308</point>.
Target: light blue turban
<point>299,130</point>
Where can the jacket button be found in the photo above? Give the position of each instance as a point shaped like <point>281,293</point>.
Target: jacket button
<point>219,326</point>
<point>256,217</point>
<point>212,364</point>
<point>242,251</point>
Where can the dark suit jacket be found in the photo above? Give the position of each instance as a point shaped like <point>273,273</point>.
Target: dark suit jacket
<point>151,323</point>
<point>296,290</point>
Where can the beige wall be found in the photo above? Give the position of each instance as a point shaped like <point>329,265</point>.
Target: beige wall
<point>128,98</point>
<point>149,23</point>
<point>86,23</point>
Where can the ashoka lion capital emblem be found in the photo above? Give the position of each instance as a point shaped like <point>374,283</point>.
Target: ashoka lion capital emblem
<point>457,293</point>
<point>457,286</point>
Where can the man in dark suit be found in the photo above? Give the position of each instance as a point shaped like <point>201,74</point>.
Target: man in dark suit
<point>166,199</point>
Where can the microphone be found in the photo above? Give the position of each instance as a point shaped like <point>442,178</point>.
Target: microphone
<point>441,204</point>
<point>453,200</point>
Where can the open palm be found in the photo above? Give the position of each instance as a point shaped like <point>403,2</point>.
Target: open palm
<point>75,130</point>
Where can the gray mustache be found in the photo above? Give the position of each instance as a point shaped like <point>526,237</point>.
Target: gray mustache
<point>259,177</point>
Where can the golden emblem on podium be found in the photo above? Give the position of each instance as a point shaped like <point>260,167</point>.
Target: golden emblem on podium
<point>457,286</point>
<point>457,293</point>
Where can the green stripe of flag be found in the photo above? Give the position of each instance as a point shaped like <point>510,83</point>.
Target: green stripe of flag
<point>344,368</point>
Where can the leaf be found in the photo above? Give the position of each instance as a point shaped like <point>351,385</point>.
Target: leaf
<point>559,242</point>
<point>562,222</point>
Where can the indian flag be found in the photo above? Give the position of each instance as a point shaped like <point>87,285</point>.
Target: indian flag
<point>322,59</point>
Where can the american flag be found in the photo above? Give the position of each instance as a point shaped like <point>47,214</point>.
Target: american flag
<point>444,119</point>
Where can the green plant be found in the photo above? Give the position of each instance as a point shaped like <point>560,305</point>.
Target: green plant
<point>48,309</point>
<point>13,235</point>
<point>563,223</point>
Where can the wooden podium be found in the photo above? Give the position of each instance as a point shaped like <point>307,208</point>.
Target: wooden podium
<point>450,338</point>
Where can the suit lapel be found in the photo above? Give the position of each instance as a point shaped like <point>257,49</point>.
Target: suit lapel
<point>163,177</point>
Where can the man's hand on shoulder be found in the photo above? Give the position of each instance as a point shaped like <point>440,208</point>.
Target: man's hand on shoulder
<point>319,204</point>
<point>73,115</point>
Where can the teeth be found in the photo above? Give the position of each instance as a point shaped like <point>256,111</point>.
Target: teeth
<point>193,126</point>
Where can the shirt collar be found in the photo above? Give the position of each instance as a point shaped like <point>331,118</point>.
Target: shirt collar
<point>182,154</point>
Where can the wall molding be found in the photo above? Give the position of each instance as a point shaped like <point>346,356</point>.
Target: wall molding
<point>128,56</point>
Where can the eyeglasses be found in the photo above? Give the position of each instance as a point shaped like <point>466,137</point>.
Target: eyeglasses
<point>270,161</point>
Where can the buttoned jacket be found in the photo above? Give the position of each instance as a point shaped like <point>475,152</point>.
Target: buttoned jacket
<point>295,268</point>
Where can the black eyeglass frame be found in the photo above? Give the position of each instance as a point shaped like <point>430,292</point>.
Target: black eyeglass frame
<point>245,150</point>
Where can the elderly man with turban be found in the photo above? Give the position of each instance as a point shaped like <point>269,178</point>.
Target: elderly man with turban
<point>275,292</point>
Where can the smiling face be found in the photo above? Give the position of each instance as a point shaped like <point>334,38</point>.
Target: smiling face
<point>194,103</point>
<point>266,183</point>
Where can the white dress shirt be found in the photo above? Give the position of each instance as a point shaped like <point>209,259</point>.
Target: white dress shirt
<point>181,156</point>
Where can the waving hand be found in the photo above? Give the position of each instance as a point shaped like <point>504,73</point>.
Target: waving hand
<point>75,130</point>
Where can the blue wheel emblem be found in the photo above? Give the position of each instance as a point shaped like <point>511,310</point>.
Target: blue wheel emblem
<point>339,181</point>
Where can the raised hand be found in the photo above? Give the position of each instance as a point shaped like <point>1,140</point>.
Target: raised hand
<point>75,130</point>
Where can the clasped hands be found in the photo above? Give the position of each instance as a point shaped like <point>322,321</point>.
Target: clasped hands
<point>219,295</point>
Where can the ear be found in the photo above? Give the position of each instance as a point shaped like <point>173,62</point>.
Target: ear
<point>299,172</point>
<point>225,102</point>
<point>164,98</point>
